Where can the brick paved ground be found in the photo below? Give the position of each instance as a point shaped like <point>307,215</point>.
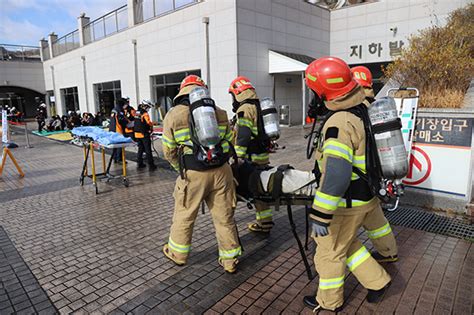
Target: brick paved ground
<point>102,253</point>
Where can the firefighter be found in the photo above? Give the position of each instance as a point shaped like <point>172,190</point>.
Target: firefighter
<point>41,115</point>
<point>363,77</point>
<point>199,183</point>
<point>117,124</point>
<point>378,228</point>
<point>247,142</point>
<point>343,202</point>
<point>129,113</point>
<point>143,127</point>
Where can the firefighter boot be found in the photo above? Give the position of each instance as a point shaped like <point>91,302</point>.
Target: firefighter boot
<point>310,301</point>
<point>384,259</point>
<point>375,296</point>
<point>230,265</point>
<point>171,256</point>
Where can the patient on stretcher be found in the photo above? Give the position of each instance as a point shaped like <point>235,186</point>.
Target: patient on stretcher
<point>275,184</point>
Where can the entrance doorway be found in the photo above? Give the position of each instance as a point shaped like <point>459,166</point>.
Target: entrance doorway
<point>106,95</point>
<point>166,87</point>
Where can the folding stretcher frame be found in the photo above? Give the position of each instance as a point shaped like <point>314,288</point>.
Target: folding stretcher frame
<point>289,200</point>
<point>88,149</point>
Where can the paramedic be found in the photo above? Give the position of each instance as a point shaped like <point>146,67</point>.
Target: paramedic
<point>143,128</point>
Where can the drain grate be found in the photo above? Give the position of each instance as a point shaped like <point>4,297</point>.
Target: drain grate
<point>430,222</point>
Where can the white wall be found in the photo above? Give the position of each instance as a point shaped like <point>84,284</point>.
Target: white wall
<point>22,74</point>
<point>171,43</point>
<point>289,26</point>
<point>367,24</point>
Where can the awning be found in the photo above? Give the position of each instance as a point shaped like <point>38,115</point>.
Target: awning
<point>283,62</point>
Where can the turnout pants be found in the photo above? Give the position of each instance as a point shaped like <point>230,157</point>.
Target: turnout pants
<point>263,213</point>
<point>215,187</point>
<point>380,233</point>
<point>144,145</point>
<point>341,249</point>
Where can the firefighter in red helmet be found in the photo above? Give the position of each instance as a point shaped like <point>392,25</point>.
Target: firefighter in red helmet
<point>363,76</point>
<point>381,236</point>
<point>199,182</point>
<point>247,141</point>
<point>343,202</point>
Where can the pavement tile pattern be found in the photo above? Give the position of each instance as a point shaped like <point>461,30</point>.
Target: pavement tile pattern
<point>20,292</point>
<point>102,253</point>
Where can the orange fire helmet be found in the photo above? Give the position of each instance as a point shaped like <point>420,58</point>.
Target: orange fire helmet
<point>330,78</point>
<point>240,84</point>
<point>192,79</point>
<point>362,76</point>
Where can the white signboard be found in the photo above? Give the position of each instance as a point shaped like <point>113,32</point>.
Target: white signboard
<point>440,160</point>
<point>439,169</point>
<point>407,112</point>
<point>4,127</point>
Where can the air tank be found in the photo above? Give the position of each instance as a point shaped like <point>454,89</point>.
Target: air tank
<point>271,123</point>
<point>386,127</point>
<point>204,116</point>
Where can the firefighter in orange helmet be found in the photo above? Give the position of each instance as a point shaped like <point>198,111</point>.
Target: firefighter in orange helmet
<point>343,202</point>
<point>199,182</point>
<point>363,77</point>
<point>381,234</point>
<point>248,145</point>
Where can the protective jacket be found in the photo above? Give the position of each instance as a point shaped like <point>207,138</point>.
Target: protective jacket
<point>340,150</point>
<point>143,125</point>
<point>177,136</point>
<point>248,144</point>
<point>129,114</point>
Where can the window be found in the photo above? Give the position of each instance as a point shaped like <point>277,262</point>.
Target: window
<point>70,98</point>
<point>166,87</point>
<point>106,95</point>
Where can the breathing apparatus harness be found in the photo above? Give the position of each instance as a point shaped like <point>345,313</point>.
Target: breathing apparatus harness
<point>374,183</point>
<point>203,158</point>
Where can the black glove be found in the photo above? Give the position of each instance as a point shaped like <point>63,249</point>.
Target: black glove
<point>319,228</point>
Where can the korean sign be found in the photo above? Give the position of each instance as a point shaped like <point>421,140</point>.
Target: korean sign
<point>440,160</point>
<point>375,50</point>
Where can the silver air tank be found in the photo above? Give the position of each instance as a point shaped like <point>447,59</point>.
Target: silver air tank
<point>271,123</point>
<point>204,116</point>
<point>386,127</point>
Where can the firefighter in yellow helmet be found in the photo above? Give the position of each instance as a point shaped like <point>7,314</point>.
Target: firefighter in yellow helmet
<point>343,202</point>
<point>378,229</point>
<point>248,145</point>
<point>203,178</point>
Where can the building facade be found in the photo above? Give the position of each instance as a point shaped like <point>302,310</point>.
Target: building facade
<point>144,49</point>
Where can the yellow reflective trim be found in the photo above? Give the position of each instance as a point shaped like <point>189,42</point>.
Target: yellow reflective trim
<point>356,259</point>
<point>231,253</point>
<point>168,142</point>
<point>184,249</point>
<point>335,80</point>
<point>244,122</point>
<point>334,147</point>
<point>311,77</point>
<point>380,232</point>
<point>259,157</point>
<point>355,203</point>
<point>331,283</point>
<point>326,201</point>
<point>264,214</point>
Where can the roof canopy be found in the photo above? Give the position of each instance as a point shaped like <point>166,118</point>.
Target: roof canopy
<point>283,62</point>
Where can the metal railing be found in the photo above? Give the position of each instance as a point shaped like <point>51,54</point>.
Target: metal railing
<point>19,53</point>
<point>153,8</point>
<point>106,25</point>
<point>66,43</point>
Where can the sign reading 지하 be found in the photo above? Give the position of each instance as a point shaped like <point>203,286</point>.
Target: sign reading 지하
<point>440,160</point>
<point>375,50</point>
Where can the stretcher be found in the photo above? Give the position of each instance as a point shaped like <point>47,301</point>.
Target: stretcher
<point>92,137</point>
<point>279,186</point>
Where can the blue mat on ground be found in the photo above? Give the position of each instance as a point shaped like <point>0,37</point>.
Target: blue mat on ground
<point>45,133</point>
<point>100,135</point>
